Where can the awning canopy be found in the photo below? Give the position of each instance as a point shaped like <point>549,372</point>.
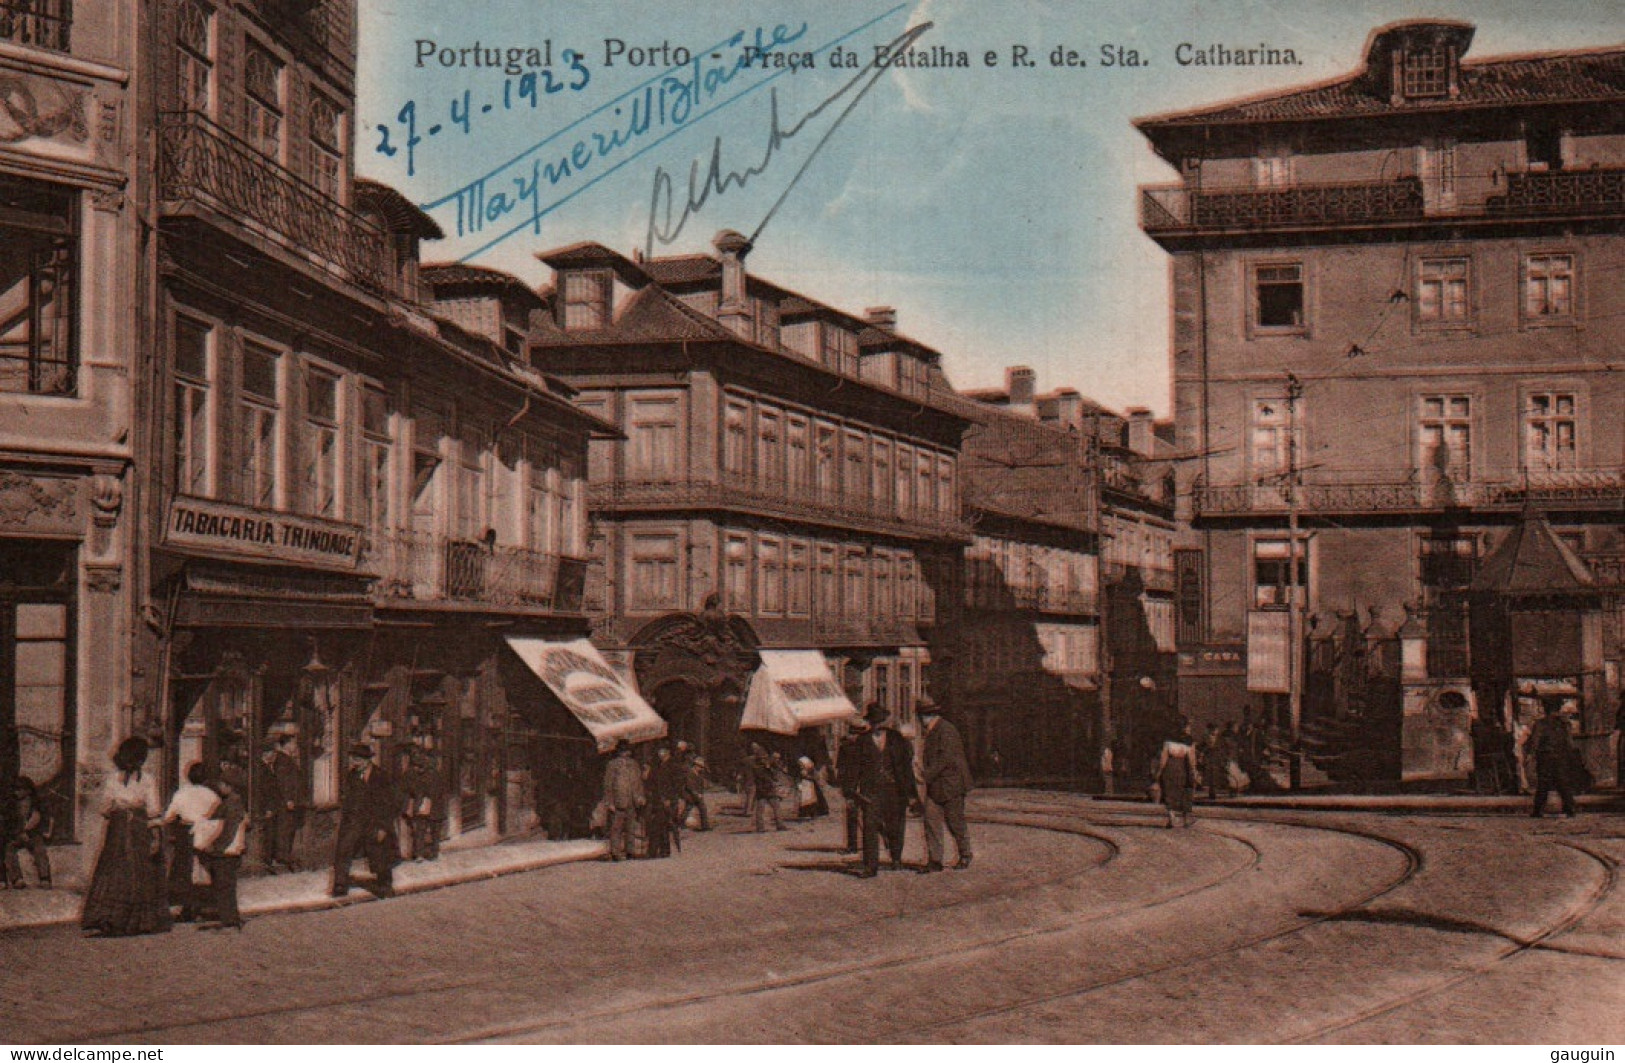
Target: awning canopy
<point>794,689</point>
<point>595,694</point>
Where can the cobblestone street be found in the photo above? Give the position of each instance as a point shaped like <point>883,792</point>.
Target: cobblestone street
<point>1080,921</point>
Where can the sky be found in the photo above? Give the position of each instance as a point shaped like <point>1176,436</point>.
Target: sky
<point>995,206</point>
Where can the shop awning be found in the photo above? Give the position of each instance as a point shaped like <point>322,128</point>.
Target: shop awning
<point>794,689</point>
<point>595,694</point>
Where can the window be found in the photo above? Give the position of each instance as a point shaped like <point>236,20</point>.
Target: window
<point>854,589</point>
<point>1550,432</point>
<point>259,425</point>
<point>1271,439</point>
<point>824,462</point>
<point>946,501</point>
<point>1437,165</point>
<point>194,57</point>
<point>770,443</point>
<point>571,534</point>
<point>326,145</point>
<point>38,288</point>
<point>654,572</point>
<point>1426,72</point>
<point>767,323</point>
<point>799,586</point>
<point>1278,301</point>
<point>855,482</point>
<point>587,298</point>
<point>736,439</point>
<point>1441,291</point>
<point>378,459</point>
<point>323,399</point>
<point>907,606</point>
<point>840,350</point>
<point>922,486</point>
<point>736,574</point>
<point>905,477</point>
<point>1449,561</point>
<point>654,449</point>
<point>194,429</point>
<point>1273,171</point>
<point>1543,146</point>
<point>1272,577</point>
<point>1548,286</point>
<point>263,109</point>
<point>541,513</point>
<point>468,512</point>
<point>885,607</point>
<point>829,594</point>
<point>770,568</point>
<point>880,466</point>
<point>796,472</point>
<point>1446,434</point>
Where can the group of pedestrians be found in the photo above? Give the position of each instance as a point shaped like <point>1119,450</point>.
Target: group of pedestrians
<point>876,769</point>
<point>656,800</point>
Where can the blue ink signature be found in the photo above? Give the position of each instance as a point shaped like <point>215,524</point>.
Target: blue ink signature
<point>716,182</point>
<point>529,88</point>
<point>640,120</point>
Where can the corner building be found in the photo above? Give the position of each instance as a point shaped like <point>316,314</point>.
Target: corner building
<point>788,480</point>
<point>1394,306</point>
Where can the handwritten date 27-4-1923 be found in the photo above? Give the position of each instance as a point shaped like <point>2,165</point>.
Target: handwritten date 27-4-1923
<point>519,92</point>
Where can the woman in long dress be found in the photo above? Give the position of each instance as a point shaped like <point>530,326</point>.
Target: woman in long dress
<point>1176,774</point>
<point>126,894</point>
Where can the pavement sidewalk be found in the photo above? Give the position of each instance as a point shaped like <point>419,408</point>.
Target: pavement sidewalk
<point>308,890</point>
<point>1416,804</point>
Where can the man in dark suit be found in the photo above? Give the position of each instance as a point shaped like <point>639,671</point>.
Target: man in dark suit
<point>367,824</point>
<point>847,760</point>
<point>285,802</point>
<point>947,781</point>
<point>884,789</point>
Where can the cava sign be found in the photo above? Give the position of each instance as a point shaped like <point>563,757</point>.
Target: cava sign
<point>261,534</point>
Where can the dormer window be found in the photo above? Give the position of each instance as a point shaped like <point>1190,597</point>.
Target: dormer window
<point>1426,72</point>
<point>587,299</point>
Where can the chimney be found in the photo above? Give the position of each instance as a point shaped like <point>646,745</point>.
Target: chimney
<point>883,318</point>
<point>1069,408</point>
<point>1141,431</point>
<point>1022,384</point>
<point>733,309</point>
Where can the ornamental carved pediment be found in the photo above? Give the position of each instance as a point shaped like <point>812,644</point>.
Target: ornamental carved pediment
<point>38,502</point>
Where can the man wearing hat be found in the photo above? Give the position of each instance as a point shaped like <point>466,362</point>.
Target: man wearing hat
<point>224,856</point>
<point>367,824</point>
<point>884,788</point>
<point>947,781</point>
<point>285,800</point>
<point>623,797</point>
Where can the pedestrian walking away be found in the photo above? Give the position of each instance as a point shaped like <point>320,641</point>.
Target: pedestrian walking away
<point>190,818</point>
<point>847,760</point>
<point>947,781</point>
<point>224,856</point>
<point>370,806</point>
<point>126,894</point>
<point>885,788</point>
<point>694,783</point>
<point>1553,747</point>
<point>1176,776</point>
<point>623,798</point>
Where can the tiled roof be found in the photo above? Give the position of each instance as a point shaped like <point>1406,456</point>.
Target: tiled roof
<point>682,269</point>
<point>442,275</point>
<point>652,315</point>
<point>400,213</point>
<point>1554,78</point>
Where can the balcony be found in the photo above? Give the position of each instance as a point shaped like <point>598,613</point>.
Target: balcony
<point>201,163</point>
<point>1567,192</point>
<point>38,23</point>
<point>411,567</point>
<point>850,631</point>
<point>1176,209</point>
<point>781,500</point>
<point>1601,490</point>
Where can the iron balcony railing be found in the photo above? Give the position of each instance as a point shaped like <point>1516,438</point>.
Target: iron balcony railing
<point>411,566</point>
<point>1177,208</point>
<point>41,23</point>
<point>780,499</point>
<point>1049,599</point>
<point>1602,489</point>
<point>199,161</point>
<point>1562,192</point>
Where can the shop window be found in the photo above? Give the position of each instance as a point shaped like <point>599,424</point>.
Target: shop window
<point>263,103</point>
<point>259,418</point>
<point>1278,297</point>
<point>38,288</point>
<point>194,57</point>
<point>194,408</point>
<point>1551,433</point>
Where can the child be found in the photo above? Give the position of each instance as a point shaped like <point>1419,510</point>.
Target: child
<point>224,857</point>
<point>31,829</point>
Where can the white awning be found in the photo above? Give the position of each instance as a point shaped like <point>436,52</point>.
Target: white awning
<point>794,689</point>
<point>602,700</point>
